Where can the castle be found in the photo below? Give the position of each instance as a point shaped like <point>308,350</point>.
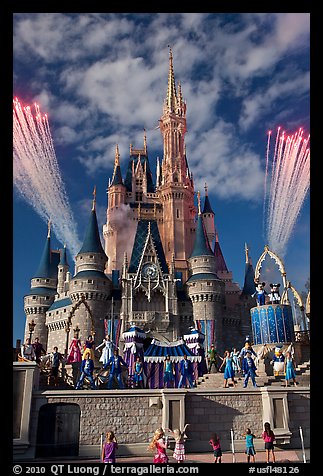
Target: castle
<point>161,267</point>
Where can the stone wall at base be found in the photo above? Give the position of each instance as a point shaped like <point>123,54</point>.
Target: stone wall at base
<point>219,412</point>
<point>134,415</point>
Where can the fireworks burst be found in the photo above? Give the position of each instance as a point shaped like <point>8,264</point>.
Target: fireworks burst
<point>36,174</point>
<point>289,183</point>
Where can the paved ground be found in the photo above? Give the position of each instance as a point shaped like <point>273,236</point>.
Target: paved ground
<point>282,456</point>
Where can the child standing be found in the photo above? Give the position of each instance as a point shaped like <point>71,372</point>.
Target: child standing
<point>250,449</point>
<point>289,369</point>
<point>158,443</point>
<point>179,450</point>
<point>217,452</point>
<point>109,448</point>
<point>269,437</point>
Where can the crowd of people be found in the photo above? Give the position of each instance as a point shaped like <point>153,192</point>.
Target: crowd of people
<point>161,442</point>
<point>234,364</point>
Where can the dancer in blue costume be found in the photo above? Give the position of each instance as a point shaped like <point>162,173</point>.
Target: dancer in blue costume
<point>169,372</point>
<point>228,369</point>
<point>289,369</point>
<point>138,374</point>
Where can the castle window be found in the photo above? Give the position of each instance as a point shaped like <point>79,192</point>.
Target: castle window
<point>37,280</point>
<point>90,281</point>
<point>138,196</point>
<point>34,297</point>
<point>75,282</point>
<point>46,280</point>
<point>177,212</point>
<point>64,310</point>
<point>47,298</point>
<point>208,283</point>
<point>91,256</point>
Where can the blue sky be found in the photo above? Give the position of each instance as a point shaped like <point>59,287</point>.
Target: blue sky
<point>102,79</point>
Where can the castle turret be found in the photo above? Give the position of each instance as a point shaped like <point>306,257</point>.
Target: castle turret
<point>205,289</point>
<point>90,285</point>
<point>116,203</point>
<point>42,292</point>
<point>208,217</point>
<point>63,268</point>
<point>176,190</point>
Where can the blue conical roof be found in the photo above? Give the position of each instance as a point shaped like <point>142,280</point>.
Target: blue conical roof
<point>201,244</point>
<point>48,263</point>
<point>249,286</point>
<point>220,264</point>
<point>63,257</point>
<point>207,206</point>
<point>92,241</point>
<point>117,176</point>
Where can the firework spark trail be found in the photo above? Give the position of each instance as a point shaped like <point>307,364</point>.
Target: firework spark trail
<point>290,181</point>
<point>36,174</point>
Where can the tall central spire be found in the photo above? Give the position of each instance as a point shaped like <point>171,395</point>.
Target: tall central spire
<point>171,98</point>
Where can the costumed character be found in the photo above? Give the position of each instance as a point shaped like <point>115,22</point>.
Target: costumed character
<point>169,372</point>
<point>38,349</point>
<point>186,369</point>
<point>247,347</point>
<point>74,351</point>
<point>212,358</point>
<point>249,369</point>
<point>107,351</point>
<point>235,354</point>
<point>278,362</point>
<point>260,294</point>
<point>115,371</point>
<point>87,368</point>
<point>27,351</point>
<point>138,373</point>
<point>274,296</point>
<point>88,345</point>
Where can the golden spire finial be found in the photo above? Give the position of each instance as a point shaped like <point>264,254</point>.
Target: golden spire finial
<point>247,252</point>
<point>94,198</point>
<point>145,142</point>
<point>206,189</point>
<point>117,156</point>
<point>48,228</point>
<point>199,202</point>
<point>171,98</point>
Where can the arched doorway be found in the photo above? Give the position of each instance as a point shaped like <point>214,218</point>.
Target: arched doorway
<point>58,430</point>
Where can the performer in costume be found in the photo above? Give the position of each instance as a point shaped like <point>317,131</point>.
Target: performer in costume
<point>138,373</point>
<point>87,368</point>
<point>89,344</point>
<point>228,369</point>
<point>38,349</point>
<point>289,369</point>
<point>107,351</point>
<point>212,358</point>
<point>235,360</point>
<point>169,372</point>
<point>260,294</point>
<point>249,368</point>
<point>75,350</point>
<point>247,347</point>
<point>278,362</point>
<point>115,371</point>
<point>27,350</point>
<point>186,370</point>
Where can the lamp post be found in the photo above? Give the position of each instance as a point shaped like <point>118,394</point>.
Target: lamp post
<point>32,326</point>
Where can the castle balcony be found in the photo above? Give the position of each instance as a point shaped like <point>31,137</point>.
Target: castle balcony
<point>156,319</point>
